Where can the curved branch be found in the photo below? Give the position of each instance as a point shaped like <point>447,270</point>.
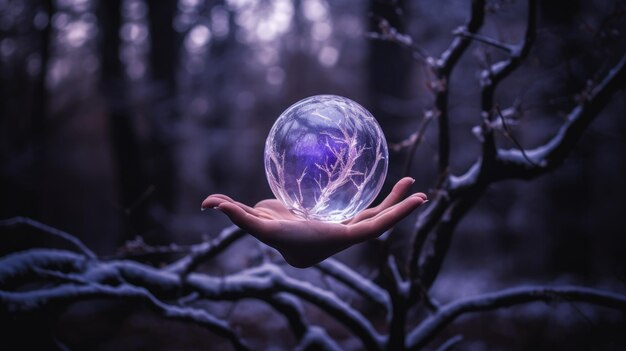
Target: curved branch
<point>426,331</point>
<point>19,267</point>
<point>398,291</point>
<point>449,58</point>
<point>28,301</point>
<point>487,41</point>
<point>260,283</point>
<point>444,66</point>
<point>355,281</point>
<point>453,53</point>
<point>512,164</point>
<point>426,221</point>
<point>450,343</point>
<point>311,337</point>
<point>495,73</point>
<point>31,223</point>
<point>206,251</point>
<point>433,258</point>
<point>269,278</point>
<point>317,339</point>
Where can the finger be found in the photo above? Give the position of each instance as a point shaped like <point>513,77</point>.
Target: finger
<point>387,218</point>
<point>217,199</point>
<point>397,193</point>
<point>395,207</point>
<point>395,196</point>
<point>246,221</point>
<point>212,201</point>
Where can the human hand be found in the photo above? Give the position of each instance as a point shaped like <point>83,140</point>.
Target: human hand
<point>304,243</point>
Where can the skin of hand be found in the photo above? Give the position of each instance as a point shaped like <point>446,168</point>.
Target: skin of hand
<point>304,243</point>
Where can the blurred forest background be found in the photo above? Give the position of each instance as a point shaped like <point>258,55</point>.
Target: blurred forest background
<point>117,118</point>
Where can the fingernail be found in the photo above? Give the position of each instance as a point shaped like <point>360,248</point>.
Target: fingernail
<point>202,208</point>
<point>412,180</point>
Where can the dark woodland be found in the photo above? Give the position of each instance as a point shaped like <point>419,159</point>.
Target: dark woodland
<point>118,117</point>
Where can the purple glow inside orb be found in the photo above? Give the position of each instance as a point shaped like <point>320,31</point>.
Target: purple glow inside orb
<point>326,158</point>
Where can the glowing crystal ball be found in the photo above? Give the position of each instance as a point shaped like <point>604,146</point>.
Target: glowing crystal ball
<point>326,158</point>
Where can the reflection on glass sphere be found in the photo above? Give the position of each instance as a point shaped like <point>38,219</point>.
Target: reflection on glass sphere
<point>326,158</point>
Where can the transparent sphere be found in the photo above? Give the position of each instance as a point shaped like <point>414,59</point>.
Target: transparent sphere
<point>326,158</point>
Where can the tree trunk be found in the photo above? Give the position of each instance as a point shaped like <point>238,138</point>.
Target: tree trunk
<point>126,150</point>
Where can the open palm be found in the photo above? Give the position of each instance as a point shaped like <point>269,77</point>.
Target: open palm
<point>304,243</point>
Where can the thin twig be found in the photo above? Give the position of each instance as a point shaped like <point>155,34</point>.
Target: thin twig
<point>509,134</point>
<point>391,34</point>
<point>15,221</point>
<point>414,140</point>
<point>486,40</point>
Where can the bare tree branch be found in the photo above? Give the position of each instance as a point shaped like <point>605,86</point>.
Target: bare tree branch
<point>270,278</point>
<point>28,301</point>
<point>48,230</point>
<point>19,267</point>
<point>206,251</point>
<point>392,34</point>
<point>311,337</point>
<point>261,282</point>
<point>511,163</point>
<point>137,247</point>
<point>433,258</point>
<point>509,134</point>
<point>428,219</point>
<point>458,194</point>
<point>443,70</point>
<point>355,281</point>
<point>398,290</point>
<point>414,140</point>
<point>450,343</point>
<point>316,339</point>
<point>486,40</point>
<point>453,53</point>
<point>495,73</point>
<point>424,333</point>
